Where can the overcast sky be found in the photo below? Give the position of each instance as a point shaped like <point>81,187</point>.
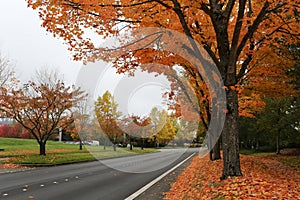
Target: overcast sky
<point>30,47</point>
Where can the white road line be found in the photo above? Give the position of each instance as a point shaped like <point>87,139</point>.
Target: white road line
<point>150,184</point>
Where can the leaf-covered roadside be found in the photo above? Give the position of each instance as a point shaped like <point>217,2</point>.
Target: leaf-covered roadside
<point>12,166</point>
<point>262,178</point>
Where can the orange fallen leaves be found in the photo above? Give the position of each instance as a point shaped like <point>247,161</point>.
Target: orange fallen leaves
<point>11,166</point>
<point>263,179</point>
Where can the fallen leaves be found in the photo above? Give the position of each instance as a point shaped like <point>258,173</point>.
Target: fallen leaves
<point>262,179</point>
<point>11,166</point>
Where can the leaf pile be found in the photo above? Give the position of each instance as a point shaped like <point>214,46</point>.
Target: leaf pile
<point>262,179</point>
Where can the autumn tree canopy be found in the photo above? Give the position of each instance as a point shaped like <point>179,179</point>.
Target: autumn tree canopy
<point>163,130</point>
<point>276,125</point>
<point>107,113</point>
<point>235,33</point>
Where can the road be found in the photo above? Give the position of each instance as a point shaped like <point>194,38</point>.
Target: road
<point>99,180</point>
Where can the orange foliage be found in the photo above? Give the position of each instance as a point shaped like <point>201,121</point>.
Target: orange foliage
<point>251,27</point>
<point>250,103</point>
<point>268,75</point>
<point>263,179</point>
<point>276,23</point>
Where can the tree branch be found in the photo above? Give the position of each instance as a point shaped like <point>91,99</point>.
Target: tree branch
<point>244,67</point>
<point>229,8</point>
<point>212,54</point>
<point>253,27</point>
<point>237,29</point>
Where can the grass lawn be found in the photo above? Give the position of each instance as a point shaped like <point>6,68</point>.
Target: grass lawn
<point>289,157</point>
<point>26,151</point>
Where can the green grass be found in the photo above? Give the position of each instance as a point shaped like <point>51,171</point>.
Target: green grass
<point>12,144</point>
<point>26,151</point>
<point>291,160</point>
<point>255,152</point>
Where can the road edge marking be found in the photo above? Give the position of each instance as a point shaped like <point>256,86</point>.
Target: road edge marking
<point>150,184</point>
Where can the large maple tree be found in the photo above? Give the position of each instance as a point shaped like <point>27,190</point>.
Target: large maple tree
<point>233,32</point>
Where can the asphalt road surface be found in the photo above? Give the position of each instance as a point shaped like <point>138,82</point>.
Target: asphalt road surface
<point>109,179</point>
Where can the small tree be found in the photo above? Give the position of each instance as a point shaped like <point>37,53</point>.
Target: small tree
<point>162,128</point>
<point>142,128</point>
<point>82,122</point>
<point>41,109</point>
<point>279,119</point>
<point>106,110</point>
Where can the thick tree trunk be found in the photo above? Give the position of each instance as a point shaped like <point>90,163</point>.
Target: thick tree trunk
<point>230,138</point>
<point>42,148</point>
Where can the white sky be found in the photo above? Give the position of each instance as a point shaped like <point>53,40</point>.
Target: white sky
<point>30,47</point>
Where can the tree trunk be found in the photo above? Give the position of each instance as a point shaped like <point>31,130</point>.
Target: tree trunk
<point>104,144</point>
<point>130,144</point>
<point>115,145</point>
<point>42,148</point>
<point>142,146</point>
<point>257,145</point>
<point>215,153</point>
<point>277,144</point>
<point>80,144</point>
<point>230,138</point>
